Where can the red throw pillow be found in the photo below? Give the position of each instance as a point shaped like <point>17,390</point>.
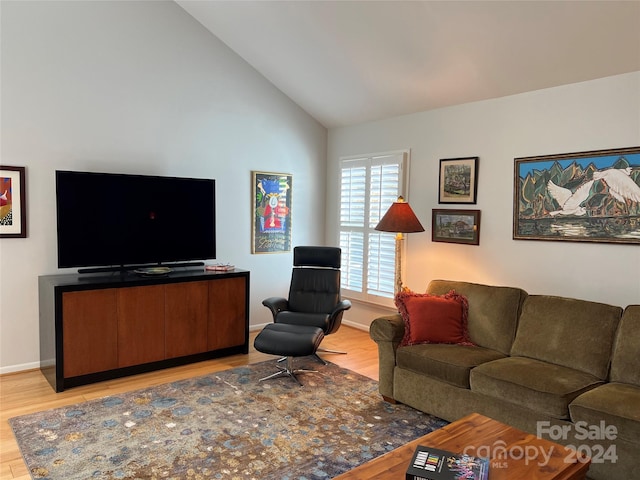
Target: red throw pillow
<point>433,318</point>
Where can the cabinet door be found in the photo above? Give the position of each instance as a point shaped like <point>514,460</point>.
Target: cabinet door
<point>140,325</point>
<point>89,332</point>
<point>227,312</point>
<point>186,309</point>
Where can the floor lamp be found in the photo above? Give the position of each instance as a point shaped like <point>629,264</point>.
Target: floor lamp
<point>399,219</point>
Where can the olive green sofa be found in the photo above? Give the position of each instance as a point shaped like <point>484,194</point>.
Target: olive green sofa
<point>543,364</point>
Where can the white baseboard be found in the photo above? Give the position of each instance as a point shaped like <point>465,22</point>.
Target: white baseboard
<point>260,326</point>
<point>19,368</point>
<point>358,326</point>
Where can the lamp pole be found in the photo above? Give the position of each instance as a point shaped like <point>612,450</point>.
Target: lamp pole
<point>397,288</point>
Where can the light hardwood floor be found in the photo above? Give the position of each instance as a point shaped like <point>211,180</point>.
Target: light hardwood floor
<point>27,392</point>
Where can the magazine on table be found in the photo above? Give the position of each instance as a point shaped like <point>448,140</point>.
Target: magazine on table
<point>433,464</point>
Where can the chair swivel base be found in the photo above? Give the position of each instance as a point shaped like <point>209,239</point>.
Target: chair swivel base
<point>288,371</point>
<point>316,356</point>
<point>327,350</point>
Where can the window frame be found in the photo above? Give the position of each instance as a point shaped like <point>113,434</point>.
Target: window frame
<point>368,227</point>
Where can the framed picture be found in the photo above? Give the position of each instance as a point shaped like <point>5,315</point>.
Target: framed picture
<point>580,197</point>
<point>458,180</point>
<point>13,211</point>
<point>456,226</point>
<point>271,230</point>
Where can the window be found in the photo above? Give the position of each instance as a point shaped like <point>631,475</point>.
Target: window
<point>369,185</point>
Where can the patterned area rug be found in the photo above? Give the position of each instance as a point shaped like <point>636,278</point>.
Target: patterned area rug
<point>224,425</point>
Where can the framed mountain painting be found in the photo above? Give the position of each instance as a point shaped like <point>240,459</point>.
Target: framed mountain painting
<point>580,197</point>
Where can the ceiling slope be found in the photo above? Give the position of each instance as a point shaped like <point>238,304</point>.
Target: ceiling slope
<point>348,62</point>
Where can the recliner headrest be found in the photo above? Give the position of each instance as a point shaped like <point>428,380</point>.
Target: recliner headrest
<point>316,257</point>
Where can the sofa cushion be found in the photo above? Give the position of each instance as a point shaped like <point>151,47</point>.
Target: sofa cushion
<point>616,404</point>
<point>539,386</point>
<point>626,350</point>
<point>448,363</point>
<point>577,334</point>
<point>433,318</point>
<point>493,311</point>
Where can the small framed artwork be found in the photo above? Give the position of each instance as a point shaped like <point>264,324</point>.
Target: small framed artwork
<point>13,212</point>
<point>456,226</point>
<point>578,197</point>
<point>271,225</point>
<point>458,180</point>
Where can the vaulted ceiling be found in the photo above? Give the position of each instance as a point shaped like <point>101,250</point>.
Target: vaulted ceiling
<point>347,62</point>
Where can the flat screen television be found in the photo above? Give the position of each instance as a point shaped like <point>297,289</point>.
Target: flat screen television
<point>117,220</point>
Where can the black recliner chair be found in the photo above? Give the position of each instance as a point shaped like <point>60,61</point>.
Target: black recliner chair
<point>314,294</point>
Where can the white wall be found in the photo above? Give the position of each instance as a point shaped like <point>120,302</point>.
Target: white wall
<point>594,115</point>
<point>141,87</point>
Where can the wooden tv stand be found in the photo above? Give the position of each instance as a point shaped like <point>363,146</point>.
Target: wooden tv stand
<point>95,327</point>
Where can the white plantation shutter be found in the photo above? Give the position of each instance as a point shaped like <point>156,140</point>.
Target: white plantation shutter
<point>369,185</point>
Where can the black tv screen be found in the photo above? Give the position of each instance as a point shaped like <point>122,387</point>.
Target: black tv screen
<point>107,219</point>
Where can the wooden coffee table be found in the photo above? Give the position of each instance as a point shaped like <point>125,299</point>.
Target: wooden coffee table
<point>514,454</point>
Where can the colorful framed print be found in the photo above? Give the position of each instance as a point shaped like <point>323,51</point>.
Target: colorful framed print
<point>458,180</point>
<point>456,226</point>
<point>13,211</point>
<point>271,230</point>
<point>580,197</point>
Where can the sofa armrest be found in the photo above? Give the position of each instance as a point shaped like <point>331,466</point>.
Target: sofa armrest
<point>389,328</point>
<point>387,332</point>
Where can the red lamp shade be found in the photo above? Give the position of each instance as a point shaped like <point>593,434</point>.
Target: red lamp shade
<point>400,219</point>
